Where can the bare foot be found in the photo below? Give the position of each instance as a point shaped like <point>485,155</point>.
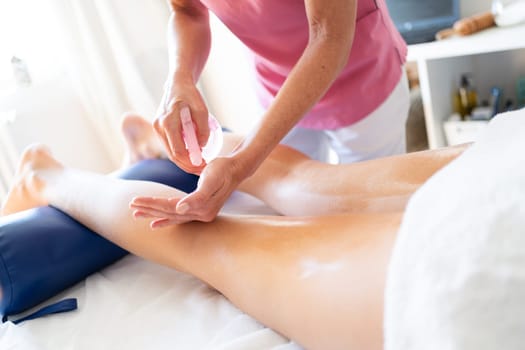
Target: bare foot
<point>141,140</point>
<point>27,188</point>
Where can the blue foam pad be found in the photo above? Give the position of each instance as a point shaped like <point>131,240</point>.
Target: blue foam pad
<point>44,251</point>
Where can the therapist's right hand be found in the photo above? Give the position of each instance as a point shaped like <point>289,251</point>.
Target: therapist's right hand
<point>180,92</point>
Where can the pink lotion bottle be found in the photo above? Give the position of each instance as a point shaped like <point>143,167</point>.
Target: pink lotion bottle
<point>212,148</point>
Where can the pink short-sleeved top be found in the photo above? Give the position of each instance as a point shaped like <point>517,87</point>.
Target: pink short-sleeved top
<point>276,31</point>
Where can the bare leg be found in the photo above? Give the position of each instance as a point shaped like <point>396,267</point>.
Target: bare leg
<point>308,187</point>
<point>317,280</point>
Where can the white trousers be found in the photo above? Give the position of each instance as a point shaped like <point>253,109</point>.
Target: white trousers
<point>380,134</point>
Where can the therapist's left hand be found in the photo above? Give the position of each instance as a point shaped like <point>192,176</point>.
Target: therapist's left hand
<point>217,181</point>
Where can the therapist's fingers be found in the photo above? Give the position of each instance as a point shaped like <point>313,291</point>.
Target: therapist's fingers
<point>199,206</point>
<point>160,116</point>
<point>158,203</point>
<point>157,223</point>
<point>162,136</point>
<point>169,128</point>
<point>170,134</point>
<point>199,115</point>
<point>159,209</point>
<point>161,223</point>
<point>154,207</point>
<point>159,220</point>
<point>178,94</point>
<point>215,186</point>
<point>148,213</point>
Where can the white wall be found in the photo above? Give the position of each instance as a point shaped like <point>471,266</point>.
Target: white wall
<point>228,81</point>
<point>49,112</point>
<point>470,7</point>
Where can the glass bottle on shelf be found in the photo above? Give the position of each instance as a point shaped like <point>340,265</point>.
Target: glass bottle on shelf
<point>465,99</point>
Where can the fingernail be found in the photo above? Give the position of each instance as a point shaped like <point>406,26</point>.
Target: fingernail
<point>182,208</point>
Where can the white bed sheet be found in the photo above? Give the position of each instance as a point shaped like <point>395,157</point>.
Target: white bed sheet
<point>136,304</point>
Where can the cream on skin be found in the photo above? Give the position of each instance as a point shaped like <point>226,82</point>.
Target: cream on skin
<point>311,267</point>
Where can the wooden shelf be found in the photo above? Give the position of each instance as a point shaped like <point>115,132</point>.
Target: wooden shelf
<point>490,40</point>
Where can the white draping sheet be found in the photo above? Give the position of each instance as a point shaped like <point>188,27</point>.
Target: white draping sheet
<point>135,305</point>
<point>456,279</point>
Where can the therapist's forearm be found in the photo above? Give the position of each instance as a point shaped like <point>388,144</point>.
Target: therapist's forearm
<point>189,41</point>
<point>320,64</point>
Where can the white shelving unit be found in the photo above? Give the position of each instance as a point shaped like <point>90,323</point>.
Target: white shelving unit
<point>494,57</point>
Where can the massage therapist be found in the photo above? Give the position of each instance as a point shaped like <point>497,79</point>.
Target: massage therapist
<point>329,72</point>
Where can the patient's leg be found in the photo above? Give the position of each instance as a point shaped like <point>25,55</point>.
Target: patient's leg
<point>317,280</point>
<point>308,187</point>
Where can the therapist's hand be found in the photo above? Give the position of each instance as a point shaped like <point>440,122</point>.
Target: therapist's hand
<point>218,180</point>
<point>180,92</point>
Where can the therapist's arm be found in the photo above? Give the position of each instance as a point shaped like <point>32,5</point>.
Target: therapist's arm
<point>331,26</point>
<point>331,32</point>
<point>189,42</point>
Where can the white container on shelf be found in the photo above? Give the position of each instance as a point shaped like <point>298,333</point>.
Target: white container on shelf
<point>508,12</point>
<point>458,131</point>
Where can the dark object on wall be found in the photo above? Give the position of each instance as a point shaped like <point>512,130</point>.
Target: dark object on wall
<point>419,20</point>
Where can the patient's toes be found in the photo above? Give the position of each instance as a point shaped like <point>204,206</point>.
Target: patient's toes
<point>141,140</point>
<point>26,188</point>
<point>135,127</point>
<point>36,156</point>
<point>23,194</point>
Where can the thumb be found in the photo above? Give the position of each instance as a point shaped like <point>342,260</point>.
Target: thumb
<point>192,201</point>
<point>207,187</point>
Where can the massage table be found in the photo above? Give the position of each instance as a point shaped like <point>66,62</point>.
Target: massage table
<point>456,278</point>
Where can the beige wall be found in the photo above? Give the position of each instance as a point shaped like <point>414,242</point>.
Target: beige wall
<point>228,81</point>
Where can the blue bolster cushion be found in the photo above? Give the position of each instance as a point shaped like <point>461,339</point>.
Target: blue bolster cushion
<point>44,251</point>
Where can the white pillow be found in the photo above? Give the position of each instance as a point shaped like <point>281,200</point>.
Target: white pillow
<point>457,274</point>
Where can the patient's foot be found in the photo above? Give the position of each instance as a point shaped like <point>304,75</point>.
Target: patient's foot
<point>27,189</point>
<point>141,140</point>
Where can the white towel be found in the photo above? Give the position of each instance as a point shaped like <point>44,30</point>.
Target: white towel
<point>457,274</point>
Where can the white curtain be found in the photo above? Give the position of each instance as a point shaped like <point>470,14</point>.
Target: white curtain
<point>8,153</point>
<point>116,52</point>
<point>95,59</point>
